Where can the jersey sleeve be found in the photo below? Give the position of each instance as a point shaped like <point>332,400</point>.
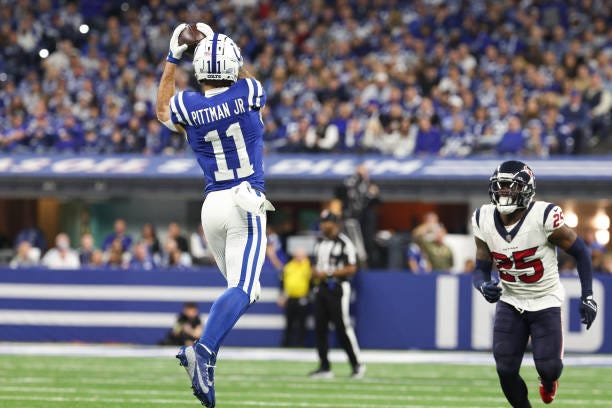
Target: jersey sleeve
<point>553,218</point>
<point>178,111</point>
<point>476,223</point>
<point>257,96</point>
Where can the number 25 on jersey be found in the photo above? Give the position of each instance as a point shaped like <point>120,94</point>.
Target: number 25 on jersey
<point>518,262</point>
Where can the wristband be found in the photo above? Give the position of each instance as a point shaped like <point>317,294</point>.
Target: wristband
<point>171,59</point>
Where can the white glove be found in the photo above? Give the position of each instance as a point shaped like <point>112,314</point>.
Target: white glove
<point>247,199</point>
<point>205,29</point>
<point>176,50</point>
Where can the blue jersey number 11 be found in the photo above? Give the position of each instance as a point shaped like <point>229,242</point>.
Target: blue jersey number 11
<point>223,172</point>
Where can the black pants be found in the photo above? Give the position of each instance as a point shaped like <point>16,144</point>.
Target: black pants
<point>296,311</point>
<point>511,332</point>
<point>332,305</point>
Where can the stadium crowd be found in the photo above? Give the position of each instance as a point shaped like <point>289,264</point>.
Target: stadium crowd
<point>428,77</point>
<point>427,250</point>
<point>118,250</point>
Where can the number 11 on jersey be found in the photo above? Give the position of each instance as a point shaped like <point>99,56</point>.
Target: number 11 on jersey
<point>223,172</point>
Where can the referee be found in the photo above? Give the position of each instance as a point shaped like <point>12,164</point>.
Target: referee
<point>335,264</point>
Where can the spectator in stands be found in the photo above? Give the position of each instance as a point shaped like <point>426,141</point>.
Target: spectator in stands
<point>187,329</point>
<point>429,235</point>
<point>13,139</point>
<point>533,134</point>
<point>276,258</point>
<point>87,248</point>
<point>458,141</point>
<point>295,280</point>
<point>120,234</point>
<point>322,136</point>
<point>33,235</point>
<point>149,237</point>
<point>599,101</point>
<point>554,132</point>
<point>513,140</point>
<point>439,254</point>
<point>173,257</point>
<point>428,139</point>
<point>25,256</point>
<point>360,198</point>
<point>115,255</point>
<point>97,260</point>
<point>200,251</point>
<point>141,258</point>
<point>416,260</point>
<point>175,233</point>
<point>62,256</point>
<point>576,113</point>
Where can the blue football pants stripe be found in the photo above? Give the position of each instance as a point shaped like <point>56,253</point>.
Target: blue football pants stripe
<point>256,255</point>
<point>247,250</point>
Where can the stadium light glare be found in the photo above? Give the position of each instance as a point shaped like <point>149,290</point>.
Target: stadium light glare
<point>83,28</point>
<point>43,53</point>
<point>602,236</point>
<point>571,219</point>
<point>602,221</point>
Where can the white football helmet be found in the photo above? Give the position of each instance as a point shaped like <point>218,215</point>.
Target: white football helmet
<point>217,58</point>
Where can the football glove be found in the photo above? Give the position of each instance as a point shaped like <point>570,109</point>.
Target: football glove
<point>176,50</point>
<point>588,310</point>
<point>205,29</point>
<point>490,291</point>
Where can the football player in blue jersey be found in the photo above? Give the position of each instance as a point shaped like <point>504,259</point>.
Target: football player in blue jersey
<point>223,125</point>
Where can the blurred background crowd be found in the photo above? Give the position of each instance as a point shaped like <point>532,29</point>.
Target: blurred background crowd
<point>450,78</point>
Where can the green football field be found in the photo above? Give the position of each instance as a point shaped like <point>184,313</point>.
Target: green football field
<point>84,382</point>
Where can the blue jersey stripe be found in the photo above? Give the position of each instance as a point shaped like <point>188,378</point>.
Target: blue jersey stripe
<point>175,111</point>
<point>251,92</point>
<point>182,107</point>
<point>213,62</point>
<point>258,94</point>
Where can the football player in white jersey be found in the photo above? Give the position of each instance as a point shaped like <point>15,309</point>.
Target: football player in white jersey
<point>224,128</point>
<point>520,235</point>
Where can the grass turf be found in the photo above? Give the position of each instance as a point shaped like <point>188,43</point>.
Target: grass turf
<point>54,382</point>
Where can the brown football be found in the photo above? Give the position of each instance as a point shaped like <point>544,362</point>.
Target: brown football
<point>190,36</point>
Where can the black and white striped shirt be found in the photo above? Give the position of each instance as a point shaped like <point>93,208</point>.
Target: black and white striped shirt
<point>334,253</point>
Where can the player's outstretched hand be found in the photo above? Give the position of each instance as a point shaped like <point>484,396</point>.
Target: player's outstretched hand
<point>176,50</point>
<point>491,291</point>
<point>588,310</point>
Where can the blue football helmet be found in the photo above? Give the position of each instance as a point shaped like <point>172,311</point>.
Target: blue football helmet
<point>512,186</point>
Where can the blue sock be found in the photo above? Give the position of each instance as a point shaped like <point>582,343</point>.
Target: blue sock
<point>224,313</point>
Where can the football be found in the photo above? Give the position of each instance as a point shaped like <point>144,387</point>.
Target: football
<point>190,36</point>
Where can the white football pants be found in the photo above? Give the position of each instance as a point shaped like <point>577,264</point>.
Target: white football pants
<point>237,239</point>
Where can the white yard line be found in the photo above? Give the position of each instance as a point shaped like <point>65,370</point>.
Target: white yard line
<point>271,354</point>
